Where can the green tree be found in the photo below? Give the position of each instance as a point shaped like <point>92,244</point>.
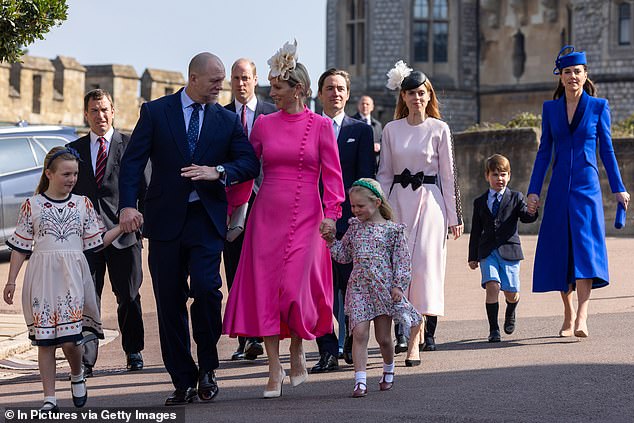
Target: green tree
<point>24,21</point>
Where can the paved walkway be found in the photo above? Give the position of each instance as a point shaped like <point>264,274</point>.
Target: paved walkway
<point>532,376</point>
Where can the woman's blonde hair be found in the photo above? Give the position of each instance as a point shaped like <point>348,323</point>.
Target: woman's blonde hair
<point>50,162</point>
<point>372,190</point>
<point>298,76</point>
<point>431,110</point>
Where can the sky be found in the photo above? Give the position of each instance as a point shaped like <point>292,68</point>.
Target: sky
<point>165,34</point>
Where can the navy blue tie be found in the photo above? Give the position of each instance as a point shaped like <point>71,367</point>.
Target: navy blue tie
<point>192,130</point>
<point>496,205</point>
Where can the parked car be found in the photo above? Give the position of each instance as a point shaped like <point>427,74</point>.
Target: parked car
<point>22,152</point>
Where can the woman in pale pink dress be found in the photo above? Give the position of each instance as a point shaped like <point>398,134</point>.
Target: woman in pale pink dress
<point>283,285</point>
<point>417,172</point>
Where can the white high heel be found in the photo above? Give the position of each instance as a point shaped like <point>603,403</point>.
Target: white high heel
<point>277,392</point>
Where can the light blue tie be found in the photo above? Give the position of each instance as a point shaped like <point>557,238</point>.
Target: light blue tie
<point>335,127</point>
<point>192,130</point>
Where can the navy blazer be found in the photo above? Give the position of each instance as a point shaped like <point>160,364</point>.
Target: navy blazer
<point>377,128</point>
<point>106,198</point>
<point>489,233</point>
<point>356,154</point>
<point>160,135</point>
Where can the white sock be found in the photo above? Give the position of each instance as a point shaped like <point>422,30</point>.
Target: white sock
<point>359,377</point>
<point>388,368</point>
<point>78,389</point>
<point>52,400</point>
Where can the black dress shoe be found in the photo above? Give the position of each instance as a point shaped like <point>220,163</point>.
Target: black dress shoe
<point>135,361</point>
<point>87,370</point>
<point>428,345</point>
<point>401,344</point>
<point>207,386</point>
<point>494,336</point>
<point>327,363</point>
<point>181,396</point>
<point>79,402</point>
<point>347,350</point>
<point>252,349</point>
<point>411,363</point>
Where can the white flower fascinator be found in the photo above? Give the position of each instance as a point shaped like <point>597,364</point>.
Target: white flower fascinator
<point>283,61</point>
<point>397,74</point>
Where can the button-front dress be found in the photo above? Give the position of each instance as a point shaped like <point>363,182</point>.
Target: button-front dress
<point>426,211</point>
<point>283,284</point>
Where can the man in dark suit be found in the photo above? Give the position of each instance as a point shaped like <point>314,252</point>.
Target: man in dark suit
<point>356,154</point>
<point>197,148</point>
<point>494,243</point>
<point>248,106</point>
<point>101,151</point>
<point>365,107</point>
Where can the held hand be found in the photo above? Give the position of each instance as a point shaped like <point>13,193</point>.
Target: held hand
<point>623,198</point>
<point>9,291</point>
<point>200,173</point>
<point>473,265</point>
<point>327,226</point>
<point>377,147</point>
<point>533,203</point>
<point>397,294</point>
<point>329,237</point>
<point>130,220</point>
<point>456,231</point>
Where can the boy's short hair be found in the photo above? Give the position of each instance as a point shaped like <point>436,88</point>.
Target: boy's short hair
<point>497,162</point>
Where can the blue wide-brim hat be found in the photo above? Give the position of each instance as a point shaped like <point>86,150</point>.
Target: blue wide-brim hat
<point>573,58</point>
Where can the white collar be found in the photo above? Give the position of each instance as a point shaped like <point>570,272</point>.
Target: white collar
<point>108,136</point>
<point>251,104</point>
<point>337,119</point>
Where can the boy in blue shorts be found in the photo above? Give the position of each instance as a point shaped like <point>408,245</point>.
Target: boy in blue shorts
<point>495,244</point>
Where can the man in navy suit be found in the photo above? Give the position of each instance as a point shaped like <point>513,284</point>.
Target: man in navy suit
<point>248,106</point>
<point>365,107</point>
<point>197,148</point>
<point>356,154</point>
<point>101,151</point>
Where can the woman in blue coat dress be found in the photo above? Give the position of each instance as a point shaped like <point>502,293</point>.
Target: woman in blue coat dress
<point>571,252</point>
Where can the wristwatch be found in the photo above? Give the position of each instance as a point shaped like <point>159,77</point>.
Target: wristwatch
<point>221,171</point>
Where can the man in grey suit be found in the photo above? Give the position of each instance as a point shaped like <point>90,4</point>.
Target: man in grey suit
<point>101,151</point>
<point>246,104</point>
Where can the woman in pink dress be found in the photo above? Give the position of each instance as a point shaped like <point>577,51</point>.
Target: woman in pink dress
<point>283,285</point>
<point>417,173</point>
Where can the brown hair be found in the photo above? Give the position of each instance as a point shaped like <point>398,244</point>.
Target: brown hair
<point>497,162</point>
<point>333,72</point>
<point>249,61</point>
<point>50,162</point>
<point>384,208</point>
<point>296,76</point>
<point>588,87</point>
<point>432,108</point>
<point>96,94</point>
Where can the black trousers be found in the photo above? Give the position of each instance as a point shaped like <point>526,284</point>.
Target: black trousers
<point>126,275</point>
<point>194,254</point>
<point>340,275</point>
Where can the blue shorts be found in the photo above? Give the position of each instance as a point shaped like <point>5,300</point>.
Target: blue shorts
<point>506,272</point>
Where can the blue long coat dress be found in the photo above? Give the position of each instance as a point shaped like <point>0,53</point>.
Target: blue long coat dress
<point>571,243</point>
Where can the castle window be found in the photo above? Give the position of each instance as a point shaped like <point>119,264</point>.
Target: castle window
<point>37,94</point>
<point>625,24</point>
<point>355,32</point>
<point>431,30</point>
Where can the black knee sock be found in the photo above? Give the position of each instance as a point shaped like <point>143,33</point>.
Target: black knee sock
<point>510,309</point>
<point>492,314</point>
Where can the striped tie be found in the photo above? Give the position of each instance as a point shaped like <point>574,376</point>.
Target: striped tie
<point>100,166</point>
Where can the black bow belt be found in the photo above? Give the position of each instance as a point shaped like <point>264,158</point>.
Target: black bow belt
<point>406,178</point>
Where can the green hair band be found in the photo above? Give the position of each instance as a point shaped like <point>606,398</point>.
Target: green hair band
<point>364,184</point>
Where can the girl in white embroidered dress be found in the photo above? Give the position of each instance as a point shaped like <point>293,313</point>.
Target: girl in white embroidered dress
<point>58,295</point>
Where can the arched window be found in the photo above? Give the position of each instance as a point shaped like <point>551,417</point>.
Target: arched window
<point>355,32</point>
<point>625,24</point>
<point>430,30</point>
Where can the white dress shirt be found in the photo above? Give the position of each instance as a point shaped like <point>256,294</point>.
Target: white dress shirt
<point>337,122</point>
<point>94,146</point>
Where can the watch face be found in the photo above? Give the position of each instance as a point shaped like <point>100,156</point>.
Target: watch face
<point>220,169</point>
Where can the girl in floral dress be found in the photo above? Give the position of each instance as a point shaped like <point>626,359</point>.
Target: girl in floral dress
<point>377,247</point>
<point>58,295</point>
